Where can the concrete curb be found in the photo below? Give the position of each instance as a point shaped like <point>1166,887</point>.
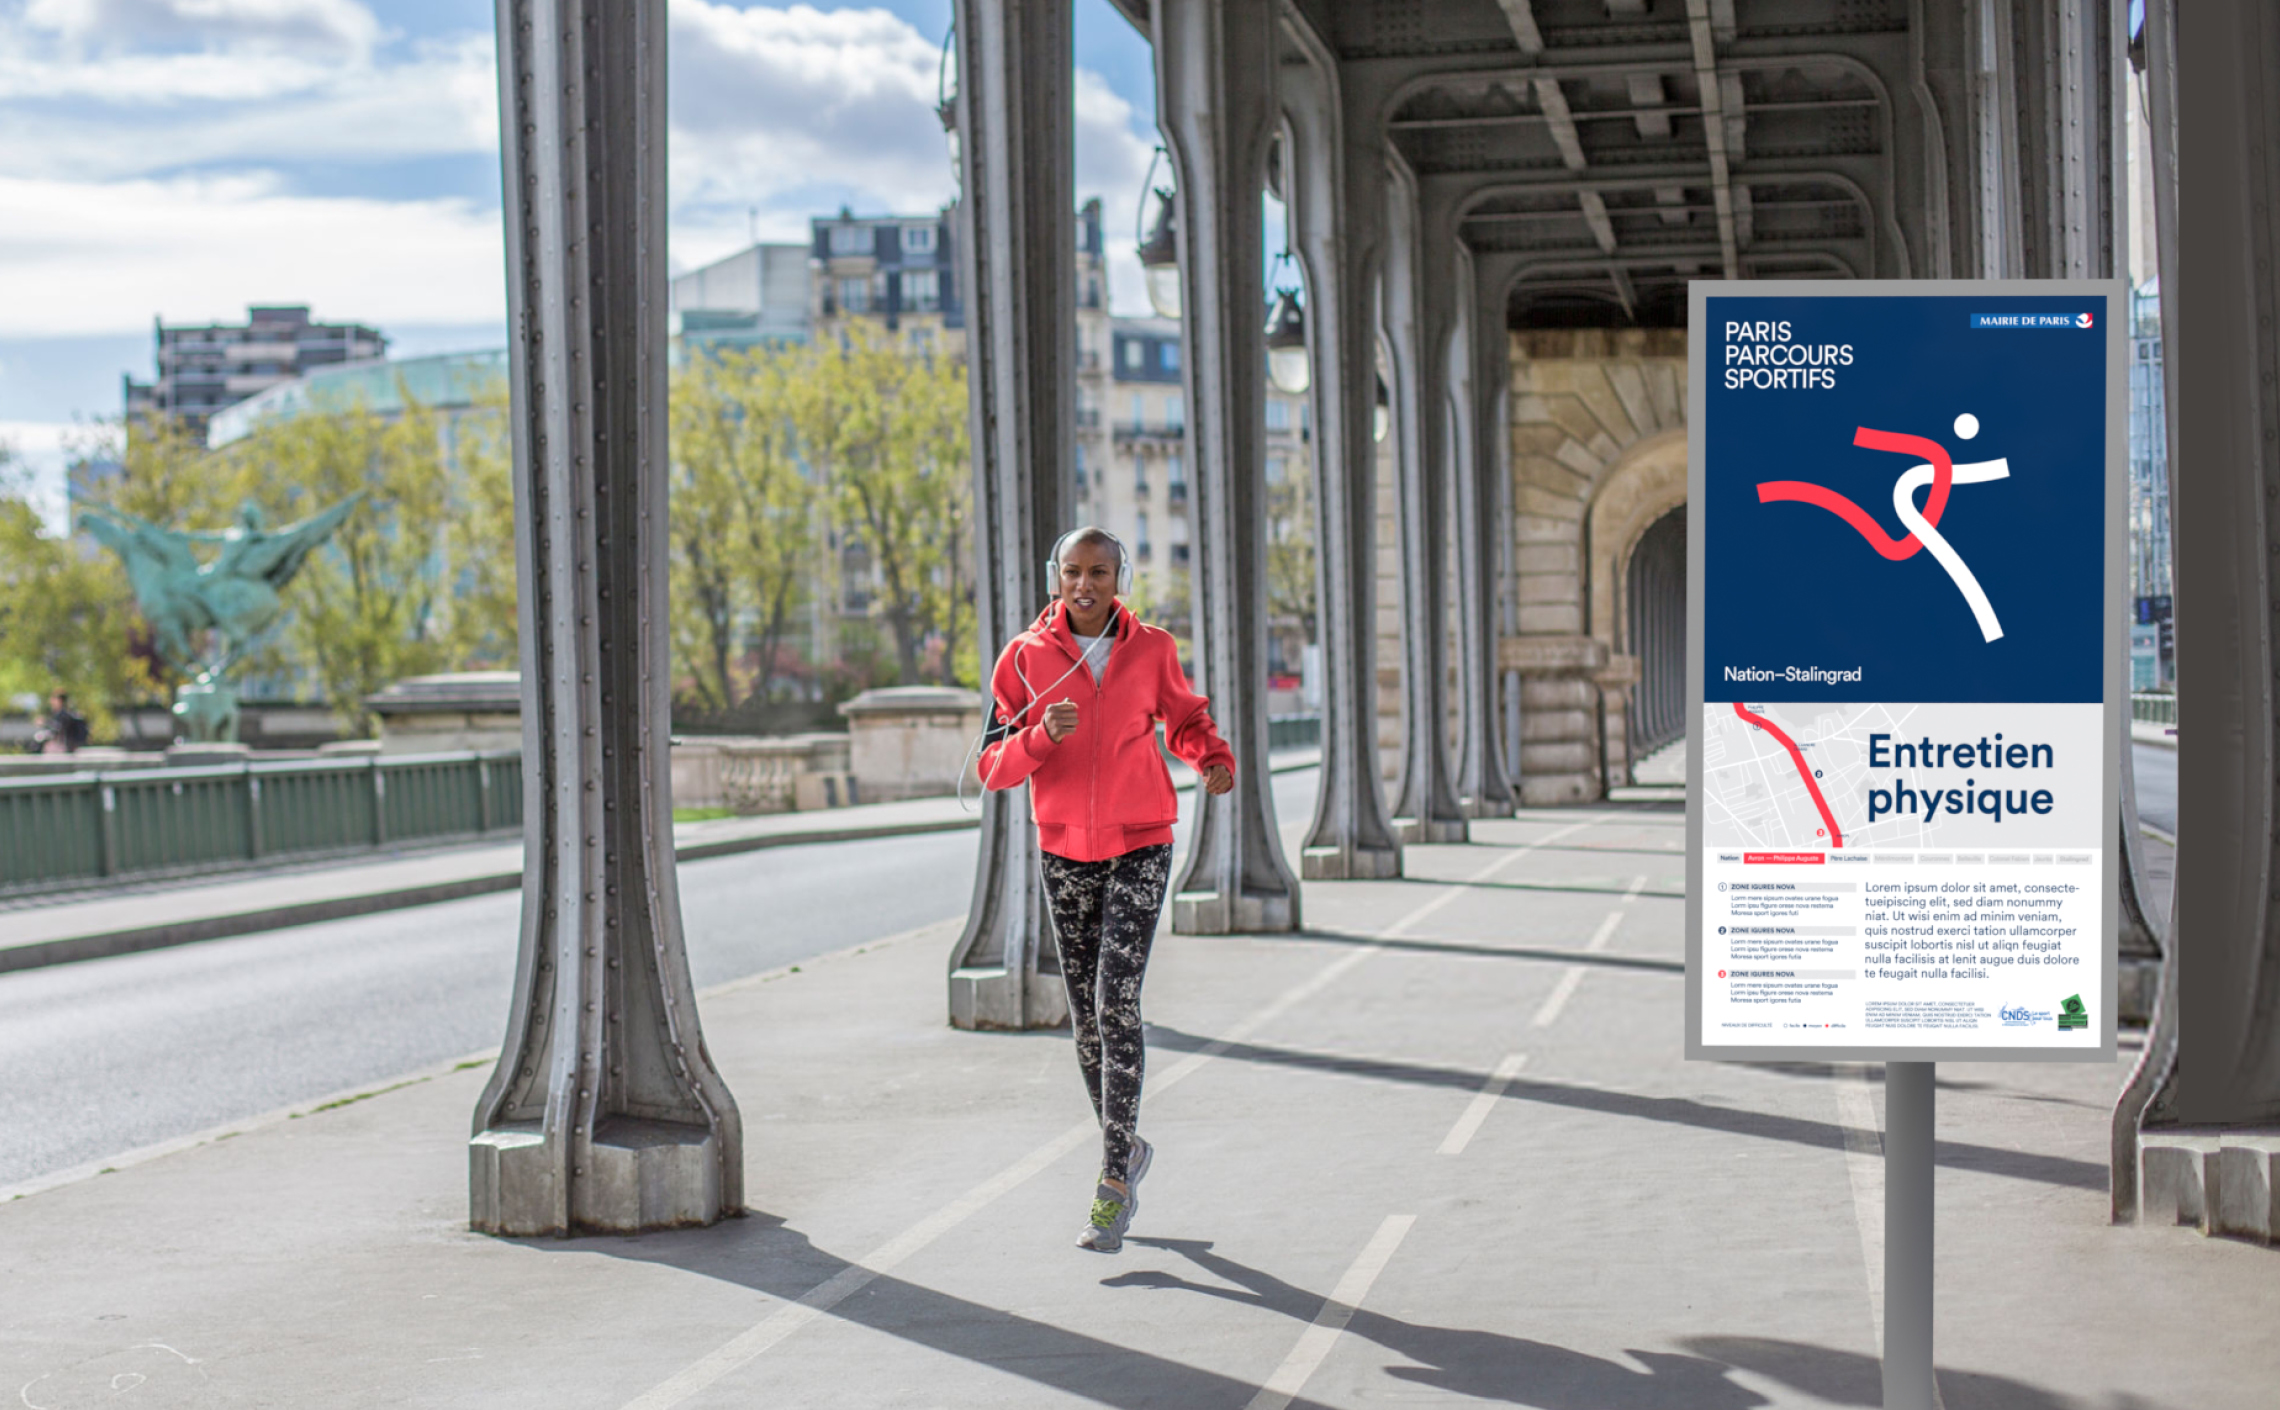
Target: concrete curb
<point>106,944</point>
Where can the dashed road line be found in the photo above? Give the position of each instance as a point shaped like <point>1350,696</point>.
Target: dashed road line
<point>1315,1342</point>
<point>1483,1102</point>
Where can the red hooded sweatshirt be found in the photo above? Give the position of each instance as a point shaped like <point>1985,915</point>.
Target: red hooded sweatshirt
<point>1103,789</point>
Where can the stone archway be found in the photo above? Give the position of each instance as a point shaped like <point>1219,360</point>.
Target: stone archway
<point>1598,436</point>
<point>1645,486</point>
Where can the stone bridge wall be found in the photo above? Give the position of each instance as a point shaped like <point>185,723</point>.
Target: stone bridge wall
<point>1598,454</point>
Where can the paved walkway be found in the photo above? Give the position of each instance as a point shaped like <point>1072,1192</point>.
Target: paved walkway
<point>1439,1149</point>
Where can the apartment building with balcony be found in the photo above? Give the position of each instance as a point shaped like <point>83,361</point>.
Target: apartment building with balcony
<point>204,368</point>
<point>1132,460</point>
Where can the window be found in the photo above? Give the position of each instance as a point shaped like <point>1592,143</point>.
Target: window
<point>1080,465</point>
<point>850,240</point>
<point>918,239</point>
<point>1278,415</point>
<point>1143,550</point>
<point>922,341</point>
<point>1135,352</point>
<point>1139,412</point>
<point>1168,356</point>
<point>1275,470</point>
<point>854,295</point>
<point>1175,413</point>
<point>921,289</point>
<point>1175,469</point>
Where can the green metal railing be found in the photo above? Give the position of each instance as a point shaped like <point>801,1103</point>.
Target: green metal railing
<point>2154,709</point>
<point>1293,731</point>
<point>75,830</point>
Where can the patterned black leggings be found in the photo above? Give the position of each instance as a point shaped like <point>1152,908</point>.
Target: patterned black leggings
<point>1104,916</point>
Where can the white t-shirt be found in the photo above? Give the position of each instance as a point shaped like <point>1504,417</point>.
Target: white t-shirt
<point>1096,650</point>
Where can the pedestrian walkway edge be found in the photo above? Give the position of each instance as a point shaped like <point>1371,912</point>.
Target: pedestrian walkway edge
<point>105,944</point>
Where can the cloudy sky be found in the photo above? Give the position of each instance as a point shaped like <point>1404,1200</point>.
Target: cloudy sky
<point>184,158</point>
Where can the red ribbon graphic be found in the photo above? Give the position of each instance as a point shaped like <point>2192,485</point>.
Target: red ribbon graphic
<point>1943,477</point>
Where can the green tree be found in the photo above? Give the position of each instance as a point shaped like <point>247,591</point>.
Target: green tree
<point>370,607</point>
<point>480,626</point>
<point>1290,552</point>
<point>744,510</point>
<point>887,431</point>
<point>66,617</point>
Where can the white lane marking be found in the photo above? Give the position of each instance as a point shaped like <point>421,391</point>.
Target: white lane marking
<point>1483,1102</point>
<point>1864,1162</point>
<point>1572,976</point>
<point>1315,1342</point>
<point>757,1339</point>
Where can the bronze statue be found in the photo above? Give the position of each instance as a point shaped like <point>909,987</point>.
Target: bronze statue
<point>235,596</point>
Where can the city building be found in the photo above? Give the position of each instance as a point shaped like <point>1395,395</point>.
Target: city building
<point>1132,470</point>
<point>897,272</point>
<point>448,384</point>
<point>206,368</point>
<point>758,295</point>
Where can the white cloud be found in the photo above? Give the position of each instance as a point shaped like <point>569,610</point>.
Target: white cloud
<point>143,146</point>
<point>324,26</point>
<point>85,258</point>
<point>1112,161</point>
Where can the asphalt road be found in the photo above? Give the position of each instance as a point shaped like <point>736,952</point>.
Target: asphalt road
<point>110,1055</point>
<point>2156,770</point>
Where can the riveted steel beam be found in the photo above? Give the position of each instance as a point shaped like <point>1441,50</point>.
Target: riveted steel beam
<point>1418,311</point>
<point>1017,250</point>
<point>605,1111</point>
<point>1336,201</point>
<point>1215,91</point>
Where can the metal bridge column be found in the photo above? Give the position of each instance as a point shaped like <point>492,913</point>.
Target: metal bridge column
<point>1483,788</point>
<point>605,1111</point>
<point>1336,201</point>
<point>1215,86</point>
<point>1017,238</point>
<point>1417,323</point>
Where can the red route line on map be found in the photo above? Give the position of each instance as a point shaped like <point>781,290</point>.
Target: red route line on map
<point>1836,838</point>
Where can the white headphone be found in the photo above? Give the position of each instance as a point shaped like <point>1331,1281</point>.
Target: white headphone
<point>1123,562</point>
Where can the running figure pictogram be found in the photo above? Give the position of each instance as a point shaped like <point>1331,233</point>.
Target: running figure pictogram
<point>1938,471</point>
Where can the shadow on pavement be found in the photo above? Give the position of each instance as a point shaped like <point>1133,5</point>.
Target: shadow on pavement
<point>1851,1379</point>
<point>1467,1361</point>
<point>2058,1170</point>
<point>1501,952</point>
<point>763,1253</point>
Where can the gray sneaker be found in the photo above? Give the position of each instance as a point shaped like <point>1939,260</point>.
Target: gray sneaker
<point>1135,1169</point>
<point>1111,1216</point>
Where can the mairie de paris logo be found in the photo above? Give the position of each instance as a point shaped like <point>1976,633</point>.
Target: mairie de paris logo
<point>1937,470</point>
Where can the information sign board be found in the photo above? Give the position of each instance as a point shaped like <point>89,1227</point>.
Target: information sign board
<point>1906,645</point>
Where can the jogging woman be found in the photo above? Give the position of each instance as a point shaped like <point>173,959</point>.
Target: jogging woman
<point>1078,697</point>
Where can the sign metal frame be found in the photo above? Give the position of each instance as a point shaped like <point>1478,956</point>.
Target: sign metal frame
<point>2113,296</point>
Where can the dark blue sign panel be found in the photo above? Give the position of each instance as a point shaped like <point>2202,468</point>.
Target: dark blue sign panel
<point>1904,498</point>
<point>1905,627</point>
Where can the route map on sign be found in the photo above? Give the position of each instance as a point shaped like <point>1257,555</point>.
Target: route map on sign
<point>1804,770</point>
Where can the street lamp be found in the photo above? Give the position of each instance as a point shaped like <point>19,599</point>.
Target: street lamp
<point>1160,248</point>
<point>1160,260</point>
<point>1288,366</point>
<point>946,103</point>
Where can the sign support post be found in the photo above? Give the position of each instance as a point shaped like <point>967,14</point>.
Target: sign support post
<point>1906,641</point>
<point>1908,1241</point>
